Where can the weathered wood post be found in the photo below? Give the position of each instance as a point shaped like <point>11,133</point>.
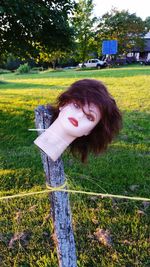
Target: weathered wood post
<point>60,207</point>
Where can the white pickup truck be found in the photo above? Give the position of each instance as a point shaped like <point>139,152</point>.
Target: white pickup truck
<point>93,63</point>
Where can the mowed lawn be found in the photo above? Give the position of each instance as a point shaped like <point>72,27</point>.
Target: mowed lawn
<point>108,232</point>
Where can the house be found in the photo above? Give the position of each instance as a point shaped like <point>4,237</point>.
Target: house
<point>142,55</point>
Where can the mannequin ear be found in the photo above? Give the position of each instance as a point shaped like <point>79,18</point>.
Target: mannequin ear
<point>60,108</point>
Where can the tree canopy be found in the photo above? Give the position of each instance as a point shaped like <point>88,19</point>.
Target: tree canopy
<point>83,22</point>
<point>122,26</point>
<point>28,24</point>
<point>47,30</point>
<point>147,23</point>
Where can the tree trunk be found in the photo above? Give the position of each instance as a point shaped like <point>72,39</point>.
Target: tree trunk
<point>60,207</point>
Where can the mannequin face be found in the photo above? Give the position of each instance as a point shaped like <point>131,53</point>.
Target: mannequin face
<point>78,120</point>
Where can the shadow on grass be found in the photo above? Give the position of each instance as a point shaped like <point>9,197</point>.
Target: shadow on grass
<point>125,163</point>
<point>14,128</point>
<point>3,82</point>
<point>112,73</point>
<point>120,72</point>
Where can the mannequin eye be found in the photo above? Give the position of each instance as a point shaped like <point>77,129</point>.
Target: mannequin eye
<point>76,105</point>
<point>90,117</point>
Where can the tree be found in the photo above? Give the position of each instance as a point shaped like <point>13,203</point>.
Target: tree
<point>147,23</point>
<point>83,22</point>
<point>24,23</point>
<point>53,56</point>
<point>127,28</point>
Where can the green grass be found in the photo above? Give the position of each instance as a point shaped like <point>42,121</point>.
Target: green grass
<point>123,169</point>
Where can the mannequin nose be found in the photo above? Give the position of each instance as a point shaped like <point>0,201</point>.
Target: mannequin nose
<point>80,114</point>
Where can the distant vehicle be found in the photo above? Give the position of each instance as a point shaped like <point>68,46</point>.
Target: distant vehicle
<point>147,62</point>
<point>93,63</point>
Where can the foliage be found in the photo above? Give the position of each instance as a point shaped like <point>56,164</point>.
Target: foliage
<point>10,62</point>
<point>4,71</point>
<point>51,56</point>
<point>83,22</point>
<point>127,28</point>
<point>25,68</point>
<point>26,23</point>
<point>26,237</point>
<point>147,23</point>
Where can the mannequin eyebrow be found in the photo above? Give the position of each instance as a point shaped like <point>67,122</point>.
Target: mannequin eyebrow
<point>90,111</point>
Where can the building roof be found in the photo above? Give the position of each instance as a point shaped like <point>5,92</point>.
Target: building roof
<point>147,35</point>
<point>146,44</point>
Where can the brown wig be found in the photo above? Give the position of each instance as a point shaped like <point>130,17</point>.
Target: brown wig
<point>93,91</point>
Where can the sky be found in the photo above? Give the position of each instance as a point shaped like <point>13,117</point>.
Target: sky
<point>140,7</point>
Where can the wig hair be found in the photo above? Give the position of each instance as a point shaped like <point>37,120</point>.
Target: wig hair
<point>88,91</point>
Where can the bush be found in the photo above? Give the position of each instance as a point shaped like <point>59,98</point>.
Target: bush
<point>3,71</point>
<point>25,68</point>
<point>37,68</point>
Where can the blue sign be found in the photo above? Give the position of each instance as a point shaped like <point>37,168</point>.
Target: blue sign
<point>109,47</point>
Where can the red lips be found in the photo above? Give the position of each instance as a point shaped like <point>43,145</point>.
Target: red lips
<point>73,121</point>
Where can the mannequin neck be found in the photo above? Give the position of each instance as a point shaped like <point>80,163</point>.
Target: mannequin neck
<point>57,129</point>
<point>54,140</point>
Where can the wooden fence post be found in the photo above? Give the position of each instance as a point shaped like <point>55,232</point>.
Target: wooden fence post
<point>60,207</point>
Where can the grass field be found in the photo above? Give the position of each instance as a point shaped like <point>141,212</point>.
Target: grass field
<point>26,235</point>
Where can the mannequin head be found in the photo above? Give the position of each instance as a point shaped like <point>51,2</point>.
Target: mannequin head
<point>90,114</point>
<point>78,120</point>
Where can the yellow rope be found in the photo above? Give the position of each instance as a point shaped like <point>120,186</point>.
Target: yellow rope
<point>57,188</point>
<point>61,189</point>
